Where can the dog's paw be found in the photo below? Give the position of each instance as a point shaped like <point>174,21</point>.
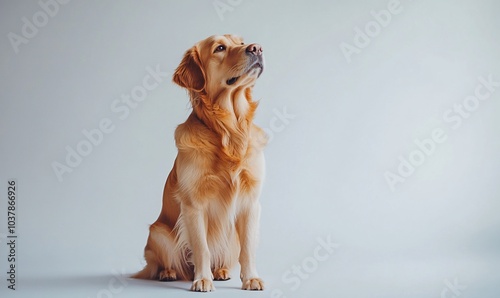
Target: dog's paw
<point>167,275</point>
<point>221,274</point>
<point>253,284</point>
<point>203,285</point>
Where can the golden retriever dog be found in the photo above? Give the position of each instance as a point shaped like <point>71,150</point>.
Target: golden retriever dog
<point>210,214</point>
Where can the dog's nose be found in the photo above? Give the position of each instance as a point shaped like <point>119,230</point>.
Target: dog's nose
<point>254,49</point>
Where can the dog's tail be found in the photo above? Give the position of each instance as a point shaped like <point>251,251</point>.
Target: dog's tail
<point>150,271</point>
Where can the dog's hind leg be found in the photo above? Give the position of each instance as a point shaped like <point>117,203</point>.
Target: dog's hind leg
<point>163,260</point>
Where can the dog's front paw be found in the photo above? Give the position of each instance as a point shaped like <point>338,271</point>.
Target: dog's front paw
<point>202,285</point>
<point>221,274</point>
<point>254,284</point>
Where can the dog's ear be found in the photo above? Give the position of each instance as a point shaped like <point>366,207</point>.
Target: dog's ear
<point>189,74</point>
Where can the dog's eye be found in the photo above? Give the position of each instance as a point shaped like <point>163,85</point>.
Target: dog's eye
<point>220,48</point>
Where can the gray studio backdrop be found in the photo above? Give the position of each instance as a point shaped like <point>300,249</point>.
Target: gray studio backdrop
<point>382,169</point>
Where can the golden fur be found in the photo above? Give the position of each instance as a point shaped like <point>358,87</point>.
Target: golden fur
<point>210,213</point>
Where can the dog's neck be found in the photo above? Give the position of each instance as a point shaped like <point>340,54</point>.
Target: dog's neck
<point>230,116</point>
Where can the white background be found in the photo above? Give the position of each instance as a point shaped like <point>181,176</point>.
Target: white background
<point>352,120</point>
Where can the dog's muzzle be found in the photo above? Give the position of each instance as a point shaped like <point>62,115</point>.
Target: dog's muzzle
<point>255,62</point>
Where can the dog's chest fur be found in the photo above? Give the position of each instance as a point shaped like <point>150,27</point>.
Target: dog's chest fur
<point>210,171</point>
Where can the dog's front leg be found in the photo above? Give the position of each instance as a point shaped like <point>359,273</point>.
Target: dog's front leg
<point>194,220</point>
<point>247,226</point>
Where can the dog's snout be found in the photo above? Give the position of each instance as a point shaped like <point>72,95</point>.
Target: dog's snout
<point>254,49</point>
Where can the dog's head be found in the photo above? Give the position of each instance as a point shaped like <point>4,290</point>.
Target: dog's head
<point>220,63</point>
